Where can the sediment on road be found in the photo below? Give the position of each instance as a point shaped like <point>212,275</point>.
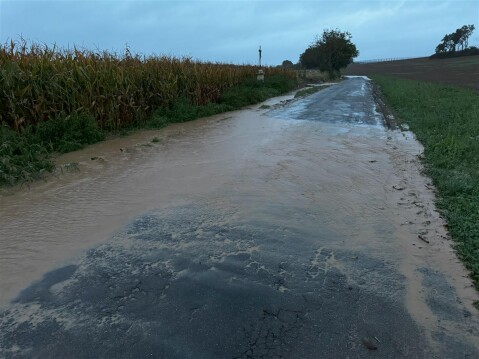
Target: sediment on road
<point>383,108</point>
<point>444,119</point>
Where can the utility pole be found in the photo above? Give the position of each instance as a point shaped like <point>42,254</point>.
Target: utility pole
<point>260,73</point>
<point>260,56</point>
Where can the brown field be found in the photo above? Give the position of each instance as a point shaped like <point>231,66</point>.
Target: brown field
<point>462,71</point>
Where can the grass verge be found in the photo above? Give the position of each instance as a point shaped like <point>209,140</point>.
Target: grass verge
<point>27,155</point>
<point>445,120</point>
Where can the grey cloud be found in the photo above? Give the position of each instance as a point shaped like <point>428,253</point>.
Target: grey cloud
<point>231,31</point>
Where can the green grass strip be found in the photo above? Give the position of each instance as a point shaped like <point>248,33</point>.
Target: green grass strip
<point>445,120</point>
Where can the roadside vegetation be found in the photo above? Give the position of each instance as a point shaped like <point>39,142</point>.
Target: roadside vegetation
<point>308,91</point>
<point>445,120</point>
<point>312,76</point>
<point>55,100</point>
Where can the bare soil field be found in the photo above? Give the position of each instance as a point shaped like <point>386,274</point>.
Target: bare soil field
<point>461,71</point>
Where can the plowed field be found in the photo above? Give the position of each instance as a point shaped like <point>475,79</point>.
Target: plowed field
<point>462,71</point>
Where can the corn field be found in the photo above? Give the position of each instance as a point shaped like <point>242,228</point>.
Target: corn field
<point>38,83</point>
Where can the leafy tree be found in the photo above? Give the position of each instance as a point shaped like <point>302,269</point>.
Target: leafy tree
<point>441,48</point>
<point>449,44</point>
<point>287,63</point>
<point>467,31</point>
<point>331,52</point>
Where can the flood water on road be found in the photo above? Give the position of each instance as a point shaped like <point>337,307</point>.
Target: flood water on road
<point>310,215</point>
<point>49,223</point>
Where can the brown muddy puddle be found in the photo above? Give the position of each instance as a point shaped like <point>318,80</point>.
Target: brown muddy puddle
<point>346,172</point>
<point>101,188</point>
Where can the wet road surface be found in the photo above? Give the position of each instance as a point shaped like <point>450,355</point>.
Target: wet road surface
<point>303,231</point>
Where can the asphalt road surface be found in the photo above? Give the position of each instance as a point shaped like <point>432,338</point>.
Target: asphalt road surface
<point>302,230</point>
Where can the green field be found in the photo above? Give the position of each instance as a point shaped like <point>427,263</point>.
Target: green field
<point>445,119</point>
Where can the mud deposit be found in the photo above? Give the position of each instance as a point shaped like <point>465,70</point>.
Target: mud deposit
<point>304,231</point>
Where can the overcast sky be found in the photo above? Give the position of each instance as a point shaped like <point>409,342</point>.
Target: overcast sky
<point>232,30</point>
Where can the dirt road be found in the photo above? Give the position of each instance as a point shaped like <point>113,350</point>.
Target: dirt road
<point>296,231</point>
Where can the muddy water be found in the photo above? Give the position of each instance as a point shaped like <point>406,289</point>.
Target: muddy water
<point>90,199</point>
<point>354,180</point>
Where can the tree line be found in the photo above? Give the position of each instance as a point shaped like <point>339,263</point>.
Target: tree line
<point>334,50</point>
<point>456,41</point>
